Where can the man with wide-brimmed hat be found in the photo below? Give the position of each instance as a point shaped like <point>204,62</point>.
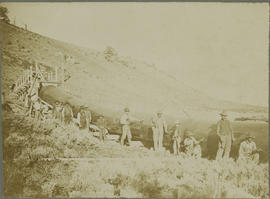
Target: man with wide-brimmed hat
<point>248,151</point>
<point>125,120</point>
<point>159,126</point>
<point>226,136</point>
<point>176,137</point>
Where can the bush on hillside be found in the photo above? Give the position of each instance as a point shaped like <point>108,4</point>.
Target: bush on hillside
<point>110,53</point>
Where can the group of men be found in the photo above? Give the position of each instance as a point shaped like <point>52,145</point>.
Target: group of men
<point>183,144</point>
<point>186,145</point>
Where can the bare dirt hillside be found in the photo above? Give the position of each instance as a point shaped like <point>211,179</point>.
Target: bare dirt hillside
<point>108,82</point>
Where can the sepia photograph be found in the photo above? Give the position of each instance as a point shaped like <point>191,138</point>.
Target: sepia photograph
<point>135,99</point>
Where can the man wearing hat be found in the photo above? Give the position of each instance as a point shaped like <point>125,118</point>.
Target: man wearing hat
<point>226,136</point>
<point>159,126</point>
<point>248,151</point>
<point>67,114</point>
<point>125,121</point>
<point>176,137</point>
<point>58,111</point>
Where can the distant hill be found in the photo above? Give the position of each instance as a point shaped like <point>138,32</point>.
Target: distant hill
<point>109,82</point>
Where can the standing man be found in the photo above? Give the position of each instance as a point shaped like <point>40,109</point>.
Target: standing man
<point>176,137</point>
<point>58,111</point>
<point>125,121</point>
<point>226,137</point>
<point>84,118</point>
<point>37,109</point>
<point>88,117</point>
<point>67,114</point>
<point>159,126</point>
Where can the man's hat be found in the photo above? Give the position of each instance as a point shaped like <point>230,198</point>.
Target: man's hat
<point>126,109</point>
<point>249,136</point>
<point>223,113</point>
<point>56,103</point>
<point>82,106</point>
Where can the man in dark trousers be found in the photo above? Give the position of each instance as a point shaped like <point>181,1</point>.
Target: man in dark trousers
<point>226,137</point>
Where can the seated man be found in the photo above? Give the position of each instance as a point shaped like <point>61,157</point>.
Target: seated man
<point>248,151</point>
<point>101,123</point>
<point>192,147</point>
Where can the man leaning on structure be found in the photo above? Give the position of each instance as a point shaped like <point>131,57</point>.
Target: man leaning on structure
<point>226,137</point>
<point>125,121</point>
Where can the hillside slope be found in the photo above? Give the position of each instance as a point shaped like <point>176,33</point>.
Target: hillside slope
<point>109,85</point>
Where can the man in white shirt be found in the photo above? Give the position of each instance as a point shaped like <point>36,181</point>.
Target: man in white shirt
<point>159,126</point>
<point>248,151</point>
<point>125,121</point>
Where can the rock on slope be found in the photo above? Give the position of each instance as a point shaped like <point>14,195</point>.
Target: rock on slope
<point>108,85</point>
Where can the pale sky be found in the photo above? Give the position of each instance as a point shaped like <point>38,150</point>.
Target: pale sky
<point>219,48</point>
